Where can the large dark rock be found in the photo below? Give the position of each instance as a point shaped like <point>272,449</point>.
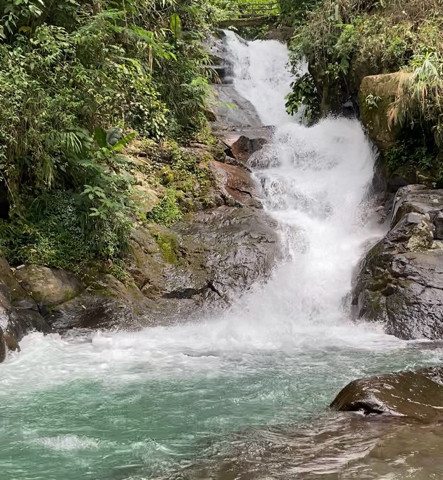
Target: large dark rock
<point>213,257</point>
<point>400,282</point>
<point>201,264</point>
<point>409,394</point>
<point>244,142</point>
<point>2,346</point>
<point>19,313</point>
<point>106,303</point>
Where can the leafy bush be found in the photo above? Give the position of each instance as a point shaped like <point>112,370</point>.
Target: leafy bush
<point>67,67</point>
<point>167,211</point>
<point>420,96</point>
<point>345,40</point>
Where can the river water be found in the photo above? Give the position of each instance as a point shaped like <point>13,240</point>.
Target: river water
<point>243,395</point>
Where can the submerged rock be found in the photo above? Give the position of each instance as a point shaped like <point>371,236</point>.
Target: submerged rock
<point>400,282</point>
<point>409,394</point>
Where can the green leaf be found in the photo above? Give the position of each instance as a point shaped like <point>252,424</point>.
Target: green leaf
<point>100,137</point>
<point>124,141</point>
<point>176,25</point>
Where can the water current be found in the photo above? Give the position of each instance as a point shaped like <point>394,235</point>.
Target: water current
<point>163,402</point>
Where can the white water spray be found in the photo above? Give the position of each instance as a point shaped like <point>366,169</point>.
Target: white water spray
<point>261,76</point>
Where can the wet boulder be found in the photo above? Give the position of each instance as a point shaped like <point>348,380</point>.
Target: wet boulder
<point>400,282</point>
<point>204,262</point>
<point>236,185</point>
<point>242,143</point>
<point>106,303</point>
<point>407,394</point>
<point>48,286</point>
<point>19,313</point>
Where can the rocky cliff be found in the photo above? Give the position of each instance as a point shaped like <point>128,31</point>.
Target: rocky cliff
<point>400,283</point>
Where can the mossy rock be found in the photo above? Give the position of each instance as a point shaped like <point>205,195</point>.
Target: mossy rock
<point>49,286</point>
<point>377,92</point>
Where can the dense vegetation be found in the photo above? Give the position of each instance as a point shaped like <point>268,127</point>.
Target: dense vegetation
<point>79,80</point>
<point>346,40</point>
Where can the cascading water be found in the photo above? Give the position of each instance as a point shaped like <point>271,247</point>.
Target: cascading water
<point>142,405</point>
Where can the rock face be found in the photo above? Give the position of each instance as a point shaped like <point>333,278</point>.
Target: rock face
<point>19,312</point>
<point>377,92</point>
<point>417,395</point>
<point>237,187</point>
<point>401,279</point>
<point>199,265</point>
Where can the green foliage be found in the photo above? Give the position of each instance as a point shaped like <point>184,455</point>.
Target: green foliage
<point>372,101</point>
<point>167,211</point>
<point>345,40</point>
<point>303,95</point>
<point>230,9</point>
<point>420,96</point>
<point>75,77</point>
<point>294,12</point>
<point>69,228</point>
<point>168,244</point>
<point>52,234</point>
<point>417,157</point>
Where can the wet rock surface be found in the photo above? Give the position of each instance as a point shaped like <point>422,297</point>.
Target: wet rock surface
<point>417,395</point>
<point>336,447</point>
<point>2,346</point>
<point>400,283</point>
<point>241,144</point>
<point>198,266</point>
<point>19,312</point>
<point>237,187</point>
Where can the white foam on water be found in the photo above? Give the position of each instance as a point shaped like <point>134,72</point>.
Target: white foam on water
<point>66,443</point>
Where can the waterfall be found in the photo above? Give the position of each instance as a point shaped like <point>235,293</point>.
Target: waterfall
<point>137,405</point>
<point>316,184</point>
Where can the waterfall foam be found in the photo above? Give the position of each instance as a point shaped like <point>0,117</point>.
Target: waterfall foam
<point>261,76</point>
